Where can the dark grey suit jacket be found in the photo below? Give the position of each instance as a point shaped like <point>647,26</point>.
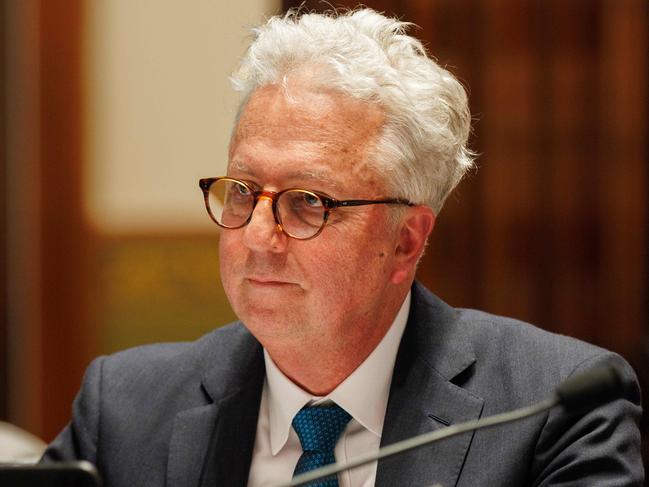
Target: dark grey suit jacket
<point>185,415</point>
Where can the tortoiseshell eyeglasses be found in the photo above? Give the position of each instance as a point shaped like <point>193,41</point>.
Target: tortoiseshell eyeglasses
<point>299,213</point>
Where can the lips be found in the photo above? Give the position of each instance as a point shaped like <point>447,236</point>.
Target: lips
<point>267,281</point>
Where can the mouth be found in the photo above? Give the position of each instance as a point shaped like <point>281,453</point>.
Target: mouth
<point>267,282</point>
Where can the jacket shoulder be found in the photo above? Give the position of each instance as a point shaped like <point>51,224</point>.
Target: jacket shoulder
<point>170,372</point>
<point>160,357</point>
<point>511,358</point>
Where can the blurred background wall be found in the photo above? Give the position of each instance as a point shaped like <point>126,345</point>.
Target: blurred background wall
<point>113,110</point>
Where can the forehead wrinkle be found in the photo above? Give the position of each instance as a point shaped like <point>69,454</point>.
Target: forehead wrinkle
<point>313,175</point>
<point>311,136</point>
<point>316,157</point>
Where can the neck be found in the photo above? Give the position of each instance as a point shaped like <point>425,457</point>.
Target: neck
<point>317,380</point>
<point>318,367</point>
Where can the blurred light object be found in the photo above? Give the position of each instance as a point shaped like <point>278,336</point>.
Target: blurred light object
<point>159,108</point>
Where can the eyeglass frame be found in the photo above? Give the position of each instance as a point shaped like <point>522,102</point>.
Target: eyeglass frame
<point>330,204</point>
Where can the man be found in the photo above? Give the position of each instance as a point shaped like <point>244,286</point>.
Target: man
<point>347,143</point>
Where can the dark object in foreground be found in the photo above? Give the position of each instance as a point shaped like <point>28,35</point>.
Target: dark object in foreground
<point>61,474</point>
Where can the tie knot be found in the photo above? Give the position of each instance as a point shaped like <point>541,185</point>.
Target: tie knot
<point>319,427</point>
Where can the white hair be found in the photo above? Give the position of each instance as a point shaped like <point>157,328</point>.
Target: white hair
<point>422,148</point>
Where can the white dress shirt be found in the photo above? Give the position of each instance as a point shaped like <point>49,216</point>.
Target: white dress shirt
<point>363,394</point>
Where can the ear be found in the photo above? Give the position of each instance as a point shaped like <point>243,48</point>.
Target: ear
<point>414,230</point>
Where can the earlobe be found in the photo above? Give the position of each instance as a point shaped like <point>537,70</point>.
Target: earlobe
<point>413,234</point>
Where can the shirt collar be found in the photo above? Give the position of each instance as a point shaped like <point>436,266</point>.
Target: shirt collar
<point>363,394</point>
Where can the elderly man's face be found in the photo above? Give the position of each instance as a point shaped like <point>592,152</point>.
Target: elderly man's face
<point>332,289</point>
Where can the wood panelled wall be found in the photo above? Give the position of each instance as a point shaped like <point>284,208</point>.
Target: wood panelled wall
<point>66,332</point>
<point>553,227</point>
<point>4,362</point>
<point>51,336</point>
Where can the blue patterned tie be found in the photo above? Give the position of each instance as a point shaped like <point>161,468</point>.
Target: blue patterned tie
<point>318,429</point>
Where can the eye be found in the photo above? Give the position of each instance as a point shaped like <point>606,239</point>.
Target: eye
<point>311,200</point>
<point>242,190</point>
<point>239,191</point>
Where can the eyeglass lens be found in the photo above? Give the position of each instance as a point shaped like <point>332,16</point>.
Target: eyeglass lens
<point>301,213</point>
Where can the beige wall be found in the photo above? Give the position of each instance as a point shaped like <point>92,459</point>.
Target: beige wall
<point>159,107</point>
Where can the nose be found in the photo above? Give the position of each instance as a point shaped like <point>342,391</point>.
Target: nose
<point>263,234</point>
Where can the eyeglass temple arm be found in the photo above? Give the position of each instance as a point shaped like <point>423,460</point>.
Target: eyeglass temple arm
<point>374,202</point>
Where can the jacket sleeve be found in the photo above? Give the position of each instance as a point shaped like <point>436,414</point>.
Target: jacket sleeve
<point>78,440</point>
<point>598,447</point>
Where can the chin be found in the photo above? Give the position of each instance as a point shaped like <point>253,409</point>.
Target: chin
<point>270,318</point>
<point>263,317</point>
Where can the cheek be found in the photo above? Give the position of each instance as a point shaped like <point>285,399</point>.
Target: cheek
<point>227,257</point>
<point>341,268</point>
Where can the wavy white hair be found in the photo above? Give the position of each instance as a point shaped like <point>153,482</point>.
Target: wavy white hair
<point>422,148</point>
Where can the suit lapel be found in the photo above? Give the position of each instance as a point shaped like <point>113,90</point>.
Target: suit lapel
<point>212,444</point>
<point>425,395</point>
<point>189,444</point>
<point>230,452</point>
